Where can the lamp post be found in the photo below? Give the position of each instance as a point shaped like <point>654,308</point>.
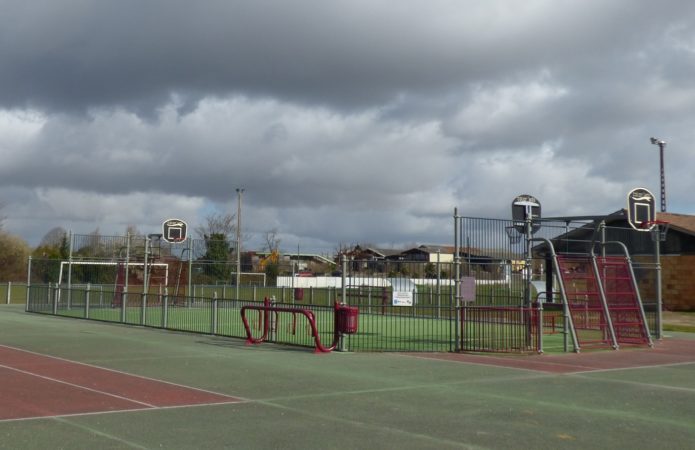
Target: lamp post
<point>661,145</point>
<point>239,191</point>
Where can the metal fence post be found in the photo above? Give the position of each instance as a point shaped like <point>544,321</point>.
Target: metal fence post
<point>28,283</point>
<point>439,284</point>
<point>86,301</point>
<point>165,309</point>
<point>659,299</point>
<point>124,301</point>
<point>9,290</point>
<point>55,300</point>
<point>190,271</point>
<point>72,243</point>
<point>457,281</point>
<point>127,263</point>
<point>214,314</point>
<point>341,343</point>
<point>143,306</point>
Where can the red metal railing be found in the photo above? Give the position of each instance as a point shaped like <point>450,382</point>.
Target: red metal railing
<point>500,329</point>
<point>345,321</point>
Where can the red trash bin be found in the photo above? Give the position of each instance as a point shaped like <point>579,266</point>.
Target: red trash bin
<point>348,319</point>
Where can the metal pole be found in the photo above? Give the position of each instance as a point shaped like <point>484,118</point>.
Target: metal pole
<point>190,272</point>
<point>341,343</point>
<point>124,295</point>
<point>439,284</point>
<point>457,279</point>
<point>663,176</point>
<point>239,192</point>
<point>86,301</point>
<point>659,299</point>
<point>528,270</point>
<point>661,145</point>
<point>72,238</point>
<point>29,283</point>
<point>145,277</point>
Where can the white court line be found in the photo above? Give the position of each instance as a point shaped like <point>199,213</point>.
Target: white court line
<point>113,411</point>
<point>650,366</point>
<point>85,388</point>
<point>505,366</point>
<point>123,373</point>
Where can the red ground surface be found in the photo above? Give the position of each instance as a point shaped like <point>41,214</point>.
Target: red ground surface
<point>35,385</point>
<point>665,352</point>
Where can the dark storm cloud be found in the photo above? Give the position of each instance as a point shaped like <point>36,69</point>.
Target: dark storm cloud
<point>74,54</point>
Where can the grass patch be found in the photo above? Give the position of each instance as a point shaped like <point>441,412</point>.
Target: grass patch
<point>678,327</point>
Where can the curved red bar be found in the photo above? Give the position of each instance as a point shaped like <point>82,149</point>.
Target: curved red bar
<point>267,308</point>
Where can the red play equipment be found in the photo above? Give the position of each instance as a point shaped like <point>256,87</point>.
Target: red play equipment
<point>345,321</point>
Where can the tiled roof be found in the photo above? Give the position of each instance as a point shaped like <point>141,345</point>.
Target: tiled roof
<point>682,222</point>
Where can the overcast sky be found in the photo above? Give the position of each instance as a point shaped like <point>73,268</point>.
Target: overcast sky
<point>344,121</point>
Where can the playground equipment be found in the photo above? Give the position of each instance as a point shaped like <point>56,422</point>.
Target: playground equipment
<point>345,321</point>
<point>601,300</point>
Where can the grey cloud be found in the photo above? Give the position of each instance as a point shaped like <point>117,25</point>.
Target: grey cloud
<point>343,120</point>
<point>72,55</point>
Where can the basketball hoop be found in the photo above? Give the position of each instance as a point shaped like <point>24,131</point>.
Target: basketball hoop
<point>658,228</point>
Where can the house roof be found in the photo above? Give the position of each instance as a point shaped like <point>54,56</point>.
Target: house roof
<point>430,249</point>
<point>290,256</point>
<point>383,252</point>
<point>681,222</point>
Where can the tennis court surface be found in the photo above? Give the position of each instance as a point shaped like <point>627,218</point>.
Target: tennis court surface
<point>69,383</point>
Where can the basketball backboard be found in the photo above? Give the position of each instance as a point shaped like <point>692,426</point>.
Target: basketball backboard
<point>526,207</point>
<point>640,209</point>
<point>174,230</point>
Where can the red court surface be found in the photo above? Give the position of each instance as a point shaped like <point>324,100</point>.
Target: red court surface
<point>666,352</point>
<point>36,385</point>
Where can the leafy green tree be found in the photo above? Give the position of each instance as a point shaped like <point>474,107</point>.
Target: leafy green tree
<point>218,254</point>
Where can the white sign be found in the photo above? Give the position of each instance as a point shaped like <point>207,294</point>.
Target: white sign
<point>402,298</point>
<point>467,289</point>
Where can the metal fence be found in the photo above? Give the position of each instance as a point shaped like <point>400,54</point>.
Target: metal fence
<point>494,296</point>
<point>13,293</point>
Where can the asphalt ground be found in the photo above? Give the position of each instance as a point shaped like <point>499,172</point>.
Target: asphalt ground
<point>289,398</point>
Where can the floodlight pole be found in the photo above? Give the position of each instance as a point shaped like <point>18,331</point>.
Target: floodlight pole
<point>661,145</point>
<point>239,192</point>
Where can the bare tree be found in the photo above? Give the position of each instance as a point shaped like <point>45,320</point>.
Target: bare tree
<point>54,238</point>
<point>272,241</point>
<point>218,224</point>
<point>132,230</point>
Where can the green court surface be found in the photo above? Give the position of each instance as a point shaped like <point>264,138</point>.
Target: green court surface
<point>292,398</point>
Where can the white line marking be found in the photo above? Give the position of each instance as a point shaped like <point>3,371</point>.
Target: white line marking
<point>113,411</point>
<point>122,373</point>
<point>652,366</point>
<point>492,358</point>
<point>97,391</point>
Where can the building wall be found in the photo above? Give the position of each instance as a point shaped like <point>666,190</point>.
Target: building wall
<point>677,281</point>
